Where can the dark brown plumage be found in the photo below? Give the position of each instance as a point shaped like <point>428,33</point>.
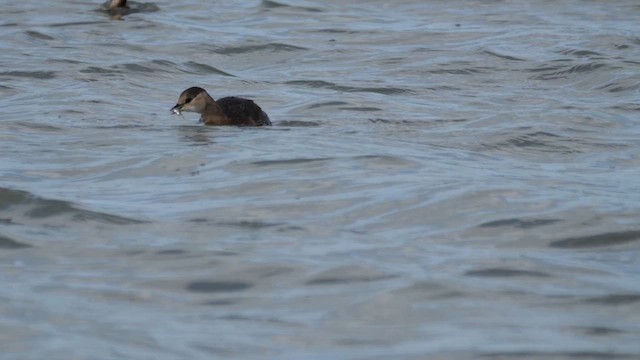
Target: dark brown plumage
<point>112,4</point>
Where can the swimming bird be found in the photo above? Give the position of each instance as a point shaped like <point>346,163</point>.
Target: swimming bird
<point>118,9</point>
<point>225,111</point>
<point>112,4</point>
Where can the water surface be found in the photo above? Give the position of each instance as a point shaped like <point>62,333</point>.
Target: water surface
<point>443,180</point>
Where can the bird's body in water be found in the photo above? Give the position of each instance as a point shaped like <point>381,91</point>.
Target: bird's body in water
<point>118,9</point>
<point>225,111</point>
<point>113,4</point>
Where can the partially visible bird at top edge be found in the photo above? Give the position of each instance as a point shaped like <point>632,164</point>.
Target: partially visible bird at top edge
<point>117,9</point>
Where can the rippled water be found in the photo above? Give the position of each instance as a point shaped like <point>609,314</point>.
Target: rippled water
<point>443,180</point>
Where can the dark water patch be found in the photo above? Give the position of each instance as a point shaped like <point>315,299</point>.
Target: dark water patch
<point>38,126</point>
<point>622,85</point>
<point>443,88</point>
<point>626,107</point>
<point>138,68</point>
<point>134,252</point>
<point>47,208</point>
<point>599,331</point>
<point>332,86</point>
<point>223,253</point>
<point>336,31</point>
<point>218,286</point>
<point>581,53</point>
<point>385,162</point>
<point>241,223</point>
<point>290,228</point>
<point>430,290</point>
<point>258,318</point>
<point>67,61</point>
<point>361,108</point>
<point>8,243</point>
<point>72,112</point>
<point>250,225</point>
<point>385,158</point>
<point>395,121</point>
<point>378,90</point>
<point>345,280</point>
<point>38,35</point>
<point>221,302</point>
<point>449,121</point>
<point>199,220</point>
<point>244,224</point>
<point>394,61</point>
<point>327,104</point>
<point>270,4</point>
<point>467,71</point>
<point>599,240</point>
<point>99,70</point>
<point>42,75</point>
<point>130,127</point>
<point>544,68</point>
<point>347,275</point>
<point>312,83</point>
<point>38,208</point>
<point>584,68</point>
<point>297,123</point>
<point>269,271</point>
<point>171,252</point>
<point>550,355</point>
<point>85,215</point>
<point>95,101</point>
<point>576,69</point>
<point>197,68</point>
<point>539,141</point>
<point>271,47</point>
<point>163,62</point>
<point>615,299</point>
<point>504,272</point>
<point>77,23</point>
<point>502,56</point>
<point>519,223</point>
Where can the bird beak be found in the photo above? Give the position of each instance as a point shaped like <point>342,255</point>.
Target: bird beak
<point>176,109</point>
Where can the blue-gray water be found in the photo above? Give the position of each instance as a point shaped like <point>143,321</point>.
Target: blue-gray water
<point>443,180</point>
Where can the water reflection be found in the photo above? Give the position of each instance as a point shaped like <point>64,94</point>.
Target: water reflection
<point>197,135</point>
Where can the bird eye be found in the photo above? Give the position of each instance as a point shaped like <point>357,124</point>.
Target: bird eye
<point>187,100</point>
